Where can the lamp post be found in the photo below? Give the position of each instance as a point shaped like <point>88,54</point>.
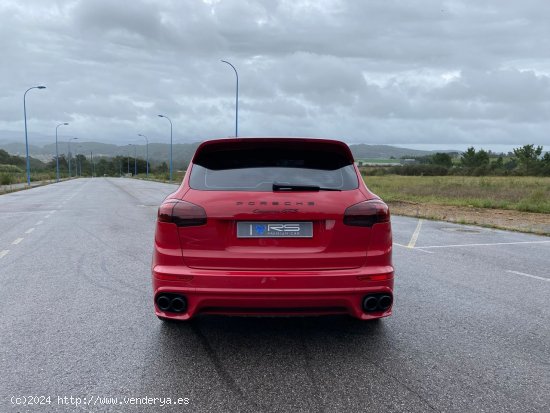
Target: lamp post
<point>236,99</point>
<point>92,162</point>
<point>166,117</point>
<point>57,151</point>
<point>78,163</point>
<point>129,157</point>
<point>69,155</point>
<point>135,160</point>
<point>147,153</point>
<point>26,138</point>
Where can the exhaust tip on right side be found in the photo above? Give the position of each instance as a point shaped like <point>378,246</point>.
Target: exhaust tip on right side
<point>370,303</point>
<point>385,302</point>
<point>377,302</point>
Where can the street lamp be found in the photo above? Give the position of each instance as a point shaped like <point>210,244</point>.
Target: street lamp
<point>56,151</point>
<point>135,160</point>
<point>69,155</point>
<point>26,139</point>
<point>166,117</point>
<point>92,169</point>
<point>236,99</point>
<point>147,149</point>
<point>78,163</point>
<point>129,157</point>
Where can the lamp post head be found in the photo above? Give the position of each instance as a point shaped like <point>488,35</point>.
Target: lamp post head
<point>41,87</point>
<point>66,123</point>
<point>160,116</point>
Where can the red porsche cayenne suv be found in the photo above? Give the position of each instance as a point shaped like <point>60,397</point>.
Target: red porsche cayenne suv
<point>273,226</point>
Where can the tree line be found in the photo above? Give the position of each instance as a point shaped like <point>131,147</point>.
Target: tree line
<point>527,160</point>
<point>12,167</point>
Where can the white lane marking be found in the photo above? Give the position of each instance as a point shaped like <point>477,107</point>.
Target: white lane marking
<point>39,222</point>
<point>484,245</point>
<point>53,211</point>
<point>416,249</point>
<point>29,230</point>
<point>529,275</point>
<point>17,241</point>
<point>415,235</point>
<point>47,216</point>
<point>3,253</point>
<point>420,249</point>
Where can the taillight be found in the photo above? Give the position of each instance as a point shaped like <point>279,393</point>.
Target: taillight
<point>367,213</point>
<point>181,213</point>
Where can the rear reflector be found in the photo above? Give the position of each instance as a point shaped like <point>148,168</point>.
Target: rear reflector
<point>367,213</point>
<point>181,213</point>
<point>375,277</point>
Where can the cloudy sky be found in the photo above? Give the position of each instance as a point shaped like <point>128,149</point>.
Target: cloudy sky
<point>444,74</point>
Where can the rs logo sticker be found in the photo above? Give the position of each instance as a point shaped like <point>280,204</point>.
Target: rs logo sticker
<point>284,227</point>
<point>274,229</point>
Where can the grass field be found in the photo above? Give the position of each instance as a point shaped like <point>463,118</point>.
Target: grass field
<point>530,194</point>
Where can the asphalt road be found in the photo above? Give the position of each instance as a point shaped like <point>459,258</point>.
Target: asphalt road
<point>470,330</point>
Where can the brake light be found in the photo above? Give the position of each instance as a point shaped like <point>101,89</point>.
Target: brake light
<point>367,213</point>
<point>181,213</point>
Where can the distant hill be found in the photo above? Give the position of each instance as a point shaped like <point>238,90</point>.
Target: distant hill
<point>16,148</point>
<point>182,152</point>
<point>362,151</point>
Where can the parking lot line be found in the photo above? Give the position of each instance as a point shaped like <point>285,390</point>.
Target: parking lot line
<point>3,253</point>
<point>17,241</point>
<point>529,275</point>
<point>416,249</point>
<point>484,245</point>
<point>415,234</point>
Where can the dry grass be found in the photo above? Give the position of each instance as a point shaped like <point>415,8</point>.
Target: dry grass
<point>530,194</point>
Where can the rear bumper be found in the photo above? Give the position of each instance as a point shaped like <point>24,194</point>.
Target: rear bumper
<point>273,292</point>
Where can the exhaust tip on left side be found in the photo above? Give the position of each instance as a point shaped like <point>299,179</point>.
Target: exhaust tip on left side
<point>170,302</point>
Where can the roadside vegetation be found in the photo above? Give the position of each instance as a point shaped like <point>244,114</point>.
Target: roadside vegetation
<point>529,194</point>
<point>527,160</point>
<point>13,168</point>
<point>519,180</point>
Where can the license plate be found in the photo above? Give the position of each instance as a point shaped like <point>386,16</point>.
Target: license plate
<point>274,229</point>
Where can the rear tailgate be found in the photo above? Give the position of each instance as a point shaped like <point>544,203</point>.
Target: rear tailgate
<point>332,245</point>
<point>238,183</point>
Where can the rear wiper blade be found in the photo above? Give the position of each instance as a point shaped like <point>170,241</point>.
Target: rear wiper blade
<point>290,187</point>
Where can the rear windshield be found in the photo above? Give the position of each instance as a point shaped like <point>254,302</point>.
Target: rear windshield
<point>259,168</point>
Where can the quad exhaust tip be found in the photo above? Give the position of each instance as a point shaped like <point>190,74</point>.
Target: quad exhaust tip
<point>173,303</point>
<point>377,302</point>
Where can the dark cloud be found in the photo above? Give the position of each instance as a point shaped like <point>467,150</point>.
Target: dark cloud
<point>417,72</point>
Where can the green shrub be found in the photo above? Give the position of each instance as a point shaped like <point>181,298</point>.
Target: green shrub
<point>10,168</point>
<point>5,179</point>
<point>420,170</point>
